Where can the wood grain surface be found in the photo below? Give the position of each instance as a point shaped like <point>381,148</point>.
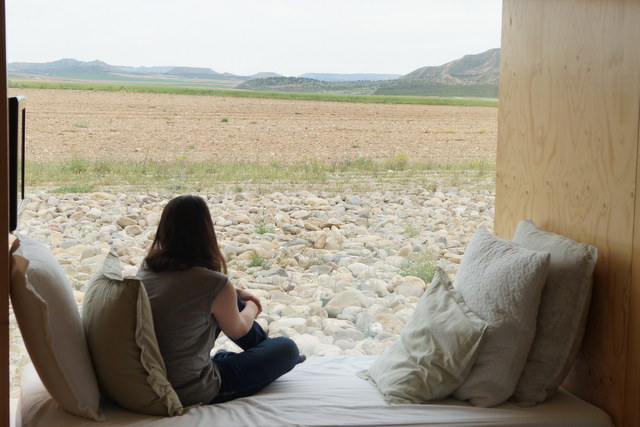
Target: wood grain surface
<point>567,158</point>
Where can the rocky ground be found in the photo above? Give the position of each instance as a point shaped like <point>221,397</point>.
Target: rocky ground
<point>338,273</point>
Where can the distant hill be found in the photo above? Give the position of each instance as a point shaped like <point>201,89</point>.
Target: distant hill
<point>61,67</point>
<point>263,75</point>
<point>199,73</point>
<point>143,70</point>
<point>301,84</point>
<point>482,68</point>
<point>471,75</point>
<point>329,77</point>
<point>99,69</point>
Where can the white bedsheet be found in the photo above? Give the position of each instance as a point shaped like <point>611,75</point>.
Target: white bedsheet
<point>320,392</point>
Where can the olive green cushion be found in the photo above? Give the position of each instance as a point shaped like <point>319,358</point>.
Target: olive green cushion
<point>116,315</point>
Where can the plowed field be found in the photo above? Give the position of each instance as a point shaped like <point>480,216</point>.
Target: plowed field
<point>123,125</point>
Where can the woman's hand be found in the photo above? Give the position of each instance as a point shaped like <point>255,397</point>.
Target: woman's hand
<point>248,296</point>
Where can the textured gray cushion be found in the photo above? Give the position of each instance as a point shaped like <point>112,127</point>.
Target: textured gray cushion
<point>49,321</point>
<point>116,314</point>
<point>562,315</point>
<point>435,350</point>
<point>501,282</point>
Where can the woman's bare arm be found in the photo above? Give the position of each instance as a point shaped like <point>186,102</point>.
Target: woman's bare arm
<point>248,296</point>
<point>232,322</point>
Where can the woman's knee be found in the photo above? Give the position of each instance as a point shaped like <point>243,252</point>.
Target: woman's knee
<point>287,348</point>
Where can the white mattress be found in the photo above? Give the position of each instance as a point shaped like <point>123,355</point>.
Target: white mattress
<point>320,392</point>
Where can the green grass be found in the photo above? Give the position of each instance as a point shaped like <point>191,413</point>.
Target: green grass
<point>257,261</point>
<point>419,265</point>
<point>145,80</point>
<point>65,190</point>
<point>184,90</point>
<point>262,227</point>
<point>182,174</point>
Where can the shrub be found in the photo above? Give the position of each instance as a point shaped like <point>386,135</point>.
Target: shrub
<point>419,265</point>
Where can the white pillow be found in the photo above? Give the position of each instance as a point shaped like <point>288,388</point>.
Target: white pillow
<point>501,282</point>
<point>562,315</point>
<point>435,350</point>
<point>49,321</point>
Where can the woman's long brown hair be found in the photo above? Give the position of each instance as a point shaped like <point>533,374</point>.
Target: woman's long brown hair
<point>185,238</point>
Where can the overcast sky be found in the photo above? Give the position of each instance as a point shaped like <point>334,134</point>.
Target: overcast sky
<point>289,37</point>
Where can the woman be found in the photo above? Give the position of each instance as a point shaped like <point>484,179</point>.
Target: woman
<point>192,300</point>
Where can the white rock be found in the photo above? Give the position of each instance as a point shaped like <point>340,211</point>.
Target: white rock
<point>327,350</point>
<point>124,221</point>
<point>315,201</point>
<point>351,297</point>
<point>404,251</point>
<point>378,286</point>
<point>306,343</point>
<point>298,324</point>
<point>351,334</point>
<point>153,219</point>
<point>409,289</point>
<point>357,268</point>
<point>133,230</point>
<point>389,322</point>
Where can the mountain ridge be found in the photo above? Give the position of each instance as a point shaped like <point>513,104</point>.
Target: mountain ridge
<point>474,75</point>
<point>69,66</point>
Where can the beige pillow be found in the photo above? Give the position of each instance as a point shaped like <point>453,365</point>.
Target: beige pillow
<point>435,350</point>
<point>562,315</point>
<point>48,317</point>
<point>116,314</point>
<point>501,282</point>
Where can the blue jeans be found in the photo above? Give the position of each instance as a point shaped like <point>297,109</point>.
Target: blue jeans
<point>262,362</point>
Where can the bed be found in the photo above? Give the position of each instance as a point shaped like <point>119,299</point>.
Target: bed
<point>323,391</point>
<point>507,332</point>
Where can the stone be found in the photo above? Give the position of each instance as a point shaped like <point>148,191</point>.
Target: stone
<point>344,299</point>
<point>316,201</point>
<point>404,251</point>
<point>389,322</point>
<point>326,350</point>
<point>357,268</point>
<point>153,219</point>
<point>409,289</point>
<point>378,286</point>
<point>133,230</point>
<point>298,324</point>
<point>351,334</point>
<point>306,343</point>
<point>124,221</point>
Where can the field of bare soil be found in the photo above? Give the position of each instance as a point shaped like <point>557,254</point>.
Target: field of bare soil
<point>64,124</point>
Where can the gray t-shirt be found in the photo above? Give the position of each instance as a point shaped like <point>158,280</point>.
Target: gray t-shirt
<point>185,329</point>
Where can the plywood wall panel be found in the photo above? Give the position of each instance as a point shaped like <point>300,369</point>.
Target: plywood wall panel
<point>632,389</point>
<point>568,156</point>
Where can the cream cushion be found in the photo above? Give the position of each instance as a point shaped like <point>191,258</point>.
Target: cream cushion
<point>116,314</point>
<point>435,350</point>
<point>48,317</point>
<point>501,282</point>
<point>562,315</point>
